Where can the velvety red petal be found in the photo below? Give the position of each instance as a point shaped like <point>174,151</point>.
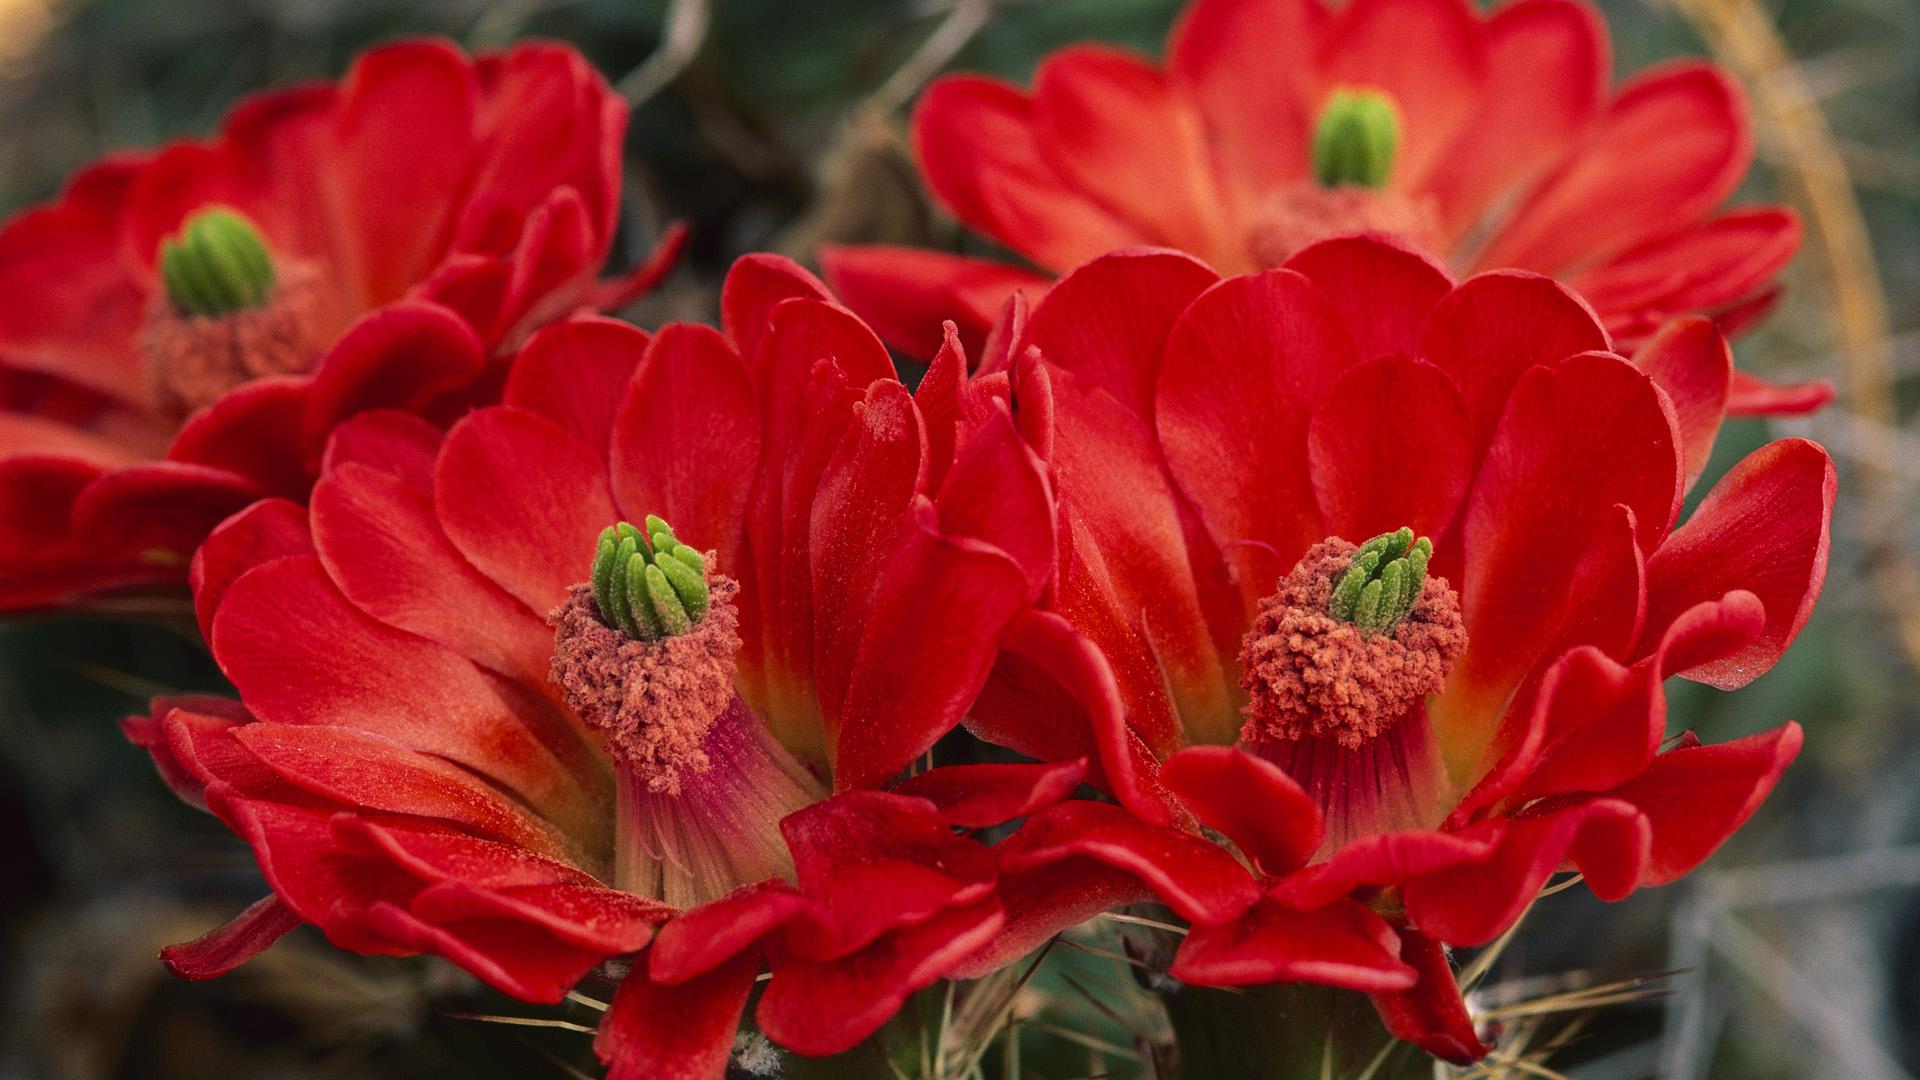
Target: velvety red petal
<point>1763,528</point>
<point>755,285</point>
<point>1751,395</point>
<point>820,1007</point>
<point>1248,65</point>
<point>980,150</point>
<point>687,438</point>
<point>1472,903</point>
<point>160,509</point>
<point>1382,287</point>
<point>575,372</point>
<point>382,544</point>
<point>1578,441</point>
<point>935,595</point>
<point>83,330</point>
<point>393,207</point>
<point>1112,127</point>
<point>1692,363</point>
<point>1249,799</point>
<point>402,356</point>
<point>1713,265</point>
<point>1390,445</point>
<point>1695,797</point>
<point>1244,368</point>
<point>1190,875</point>
<point>906,293</point>
<point>680,1032</point>
<point>252,430</point>
<point>703,938</point>
<point>396,443</point>
<point>1680,131</point>
<point>322,661</point>
<point>1042,901</point>
<point>1494,327</point>
<point>1384,860</point>
<point>509,465</point>
<point>1342,944</point>
<point>1107,321</point>
<point>267,530</point>
<point>979,796</point>
<point>239,940</point>
<point>1431,1013</point>
<point>1547,66</point>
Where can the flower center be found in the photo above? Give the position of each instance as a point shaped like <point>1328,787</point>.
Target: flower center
<point>644,653</point>
<point>227,313</point>
<point>1355,139</point>
<point>1351,641</point>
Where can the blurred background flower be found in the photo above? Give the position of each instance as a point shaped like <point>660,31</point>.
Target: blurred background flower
<point>768,124</point>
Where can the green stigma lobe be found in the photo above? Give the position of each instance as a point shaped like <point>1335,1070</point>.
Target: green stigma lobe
<point>217,264</point>
<point>1382,583</point>
<point>1355,140</point>
<point>646,583</point>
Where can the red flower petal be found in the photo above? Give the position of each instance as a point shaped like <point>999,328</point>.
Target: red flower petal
<point>1107,321</point>
<point>1434,84</point>
<point>1190,875</point>
<point>1491,329</point>
<point>1695,797</point>
<point>382,544</point>
<point>1112,128</point>
<point>1342,944</point>
<point>1383,860</point>
<point>253,430</point>
<point>820,1007</point>
<point>686,440</point>
<point>679,1032</point>
<point>979,796</point>
<point>1472,903</point>
<point>1754,396</point>
<point>1251,800</point>
<point>1244,368</point>
<point>324,662</point>
<point>981,154</point>
<point>1692,363</point>
<point>1383,288</point>
<point>1763,528</point>
<point>1390,445</point>
<point>235,942</point>
<point>1248,65</point>
<point>399,444</point>
<point>1431,1014</point>
<point>267,530</point>
<point>1679,131</point>
<point>1547,67</point>
<point>906,293</point>
<point>1716,264</point>
<point>574,374</point>
<point>402,356</point>
<point>509,465</point>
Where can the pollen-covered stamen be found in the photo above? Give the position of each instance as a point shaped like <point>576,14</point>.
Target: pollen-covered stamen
<point>644,651</point>
<point>1351,640</point>
<point>227,313</point>
<point>1355,139</point>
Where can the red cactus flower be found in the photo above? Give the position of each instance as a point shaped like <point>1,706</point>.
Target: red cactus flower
<point>1378,577</point>
<point>184,327</point>
<point>1491,137</point>
<point>478,722</point>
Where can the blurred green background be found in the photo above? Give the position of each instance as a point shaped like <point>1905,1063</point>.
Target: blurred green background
<point>1800,942</point>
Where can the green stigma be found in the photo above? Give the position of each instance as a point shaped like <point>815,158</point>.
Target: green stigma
<point>1383,582</point>
<point>1354,142</point>
<point>216,264</point>
<point>648,584</point>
